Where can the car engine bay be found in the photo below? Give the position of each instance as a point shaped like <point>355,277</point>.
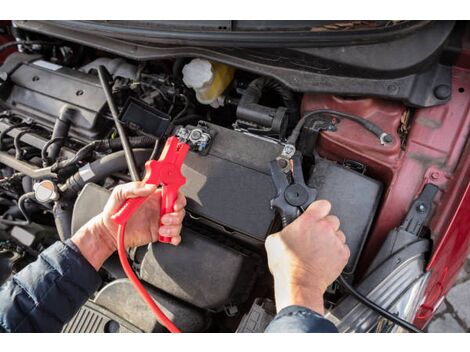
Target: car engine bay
<point>60,158</point>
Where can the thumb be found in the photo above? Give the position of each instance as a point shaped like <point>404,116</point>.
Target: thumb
<point>134,190</point>
<point>317,211</point>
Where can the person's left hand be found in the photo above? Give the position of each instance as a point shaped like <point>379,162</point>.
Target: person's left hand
<point>97,239</point>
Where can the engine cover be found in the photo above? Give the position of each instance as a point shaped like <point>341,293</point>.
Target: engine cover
<point>200,271</point>
<point>40,89</point>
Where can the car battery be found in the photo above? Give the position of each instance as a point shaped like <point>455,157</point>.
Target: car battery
<point>230,186</point>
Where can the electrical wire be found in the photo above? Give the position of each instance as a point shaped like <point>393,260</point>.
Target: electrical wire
<point>376,308</point>
<point>184,109</point>
<point>16,142</point>
<point>21,201</point>
<point>383,136</point>
<point>162,318</point>
<point>5,132</point>
<point>25,42</point>
<point>156,147</point>
<point>45,160</point>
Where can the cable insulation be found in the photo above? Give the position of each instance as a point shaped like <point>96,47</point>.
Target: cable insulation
<point>162,318</point>
<point>376,308</point>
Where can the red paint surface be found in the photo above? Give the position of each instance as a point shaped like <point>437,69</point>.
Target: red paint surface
<point>433,153</point>
<point>352,141</point>
<point>452,247</point>
<point>5,39</point>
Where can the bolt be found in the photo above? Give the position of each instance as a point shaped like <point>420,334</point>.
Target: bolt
<point>392,88</point>
<point>196,135</point>
<point>442,91</point>
<point>388,138</point>
<point>282,163</point>
<point>435,175</point>
<point>421,208</point>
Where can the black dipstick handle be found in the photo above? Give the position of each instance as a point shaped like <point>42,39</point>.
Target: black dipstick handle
<point>104,75</point>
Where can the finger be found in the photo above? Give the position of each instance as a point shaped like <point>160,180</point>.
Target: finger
<point>175,240</point>
<point>133,190</point>
<point>317,210</point>
<point>170,230</point>
<point>173,218</point>
<point>333,221</point>
<point>180,202</point>
<point>342,237</point>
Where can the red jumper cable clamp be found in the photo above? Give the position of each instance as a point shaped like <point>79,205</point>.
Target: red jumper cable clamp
<point>167,173</point>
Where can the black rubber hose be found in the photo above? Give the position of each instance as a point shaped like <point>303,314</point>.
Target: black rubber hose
<point>104,76</point>
<point>61,130</point>
<point>383,136</point>
<point>256,88</point>
<point>102,146</point>
<point>115,162</point>
<point>376,308</point>
<point>100,169</point>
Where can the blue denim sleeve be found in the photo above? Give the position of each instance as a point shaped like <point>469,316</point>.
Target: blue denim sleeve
<point>300,319</point>
<point>48,292</point>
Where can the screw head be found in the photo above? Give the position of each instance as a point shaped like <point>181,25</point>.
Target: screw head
<point>442,91</point>
<point>282,163</point>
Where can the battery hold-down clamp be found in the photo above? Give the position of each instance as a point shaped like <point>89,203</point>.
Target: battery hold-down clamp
<point>165,172</point>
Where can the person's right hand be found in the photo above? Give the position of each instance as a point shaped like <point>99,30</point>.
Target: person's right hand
<point>97,239</point>
<point>306,257</point>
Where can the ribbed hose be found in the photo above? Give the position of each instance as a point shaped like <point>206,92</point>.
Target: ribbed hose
<point>256,88</point>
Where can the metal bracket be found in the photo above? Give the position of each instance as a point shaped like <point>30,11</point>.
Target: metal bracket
<point>420,210</point>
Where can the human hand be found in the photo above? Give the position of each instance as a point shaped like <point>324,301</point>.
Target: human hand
<point>97,239</point>
<point>306,257</point>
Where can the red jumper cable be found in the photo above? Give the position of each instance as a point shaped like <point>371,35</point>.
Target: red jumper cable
<point>167,173</point>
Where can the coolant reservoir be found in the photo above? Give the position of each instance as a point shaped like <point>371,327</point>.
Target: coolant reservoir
<point>208,79</point>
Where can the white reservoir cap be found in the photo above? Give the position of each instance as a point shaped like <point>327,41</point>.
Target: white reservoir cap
<point>197,73</point>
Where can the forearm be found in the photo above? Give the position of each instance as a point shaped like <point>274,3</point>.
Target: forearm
<point>300,307</point>
<point>94,242</point>
<point>289,291</point>
<point>299,319</point>
<point>47,293</point>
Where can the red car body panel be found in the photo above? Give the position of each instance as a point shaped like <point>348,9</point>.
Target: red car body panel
<point>435,152</point>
